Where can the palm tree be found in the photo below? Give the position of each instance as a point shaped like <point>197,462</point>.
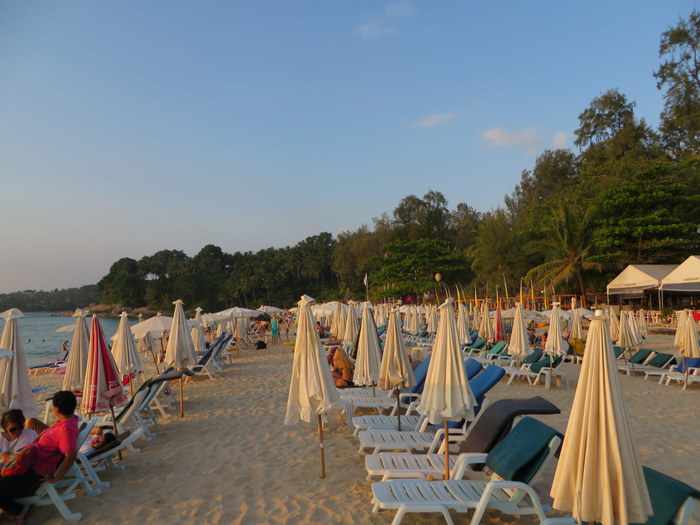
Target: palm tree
<point>567,246</point>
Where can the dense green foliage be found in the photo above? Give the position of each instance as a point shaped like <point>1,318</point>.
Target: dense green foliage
<point>50,301</point>
<point>629,194</point>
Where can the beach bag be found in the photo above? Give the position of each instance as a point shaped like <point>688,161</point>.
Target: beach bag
<point>260,345</point>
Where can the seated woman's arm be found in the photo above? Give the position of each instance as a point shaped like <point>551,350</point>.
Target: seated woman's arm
<point>63,467</point>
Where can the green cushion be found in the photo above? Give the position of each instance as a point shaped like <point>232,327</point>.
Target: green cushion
<point>521,453</point>
<point>640,356</point>
<point>535,356</point>
<point>545,362</point>
<point>667,496</point>
<point>660,360</point>
<point>618,351</point>
<point>497,348</point>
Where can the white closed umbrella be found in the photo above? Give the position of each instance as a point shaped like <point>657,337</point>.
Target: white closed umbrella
<point>688,342</point>
<point>681,333</point>
<point>446,393</point>
<point>555,345</point>
<point>368,354</point>
<point>486,328</point>
<point>634,328</point>
<point>576,325</point>
<point>614,325</point>
<point>642,322</point>
<point>599,477</point>
<point>74,377</point>
<point>15,388</point>
<point>126,357</point>
<point>197,332</point>
<point>350,331</point>
<point>625,338</point>
<point>180,350</point>
<point>519,344</point>
<point>462,324</point>
<point>311,389</point>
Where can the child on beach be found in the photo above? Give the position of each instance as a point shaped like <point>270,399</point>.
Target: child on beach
<point>99,438</point>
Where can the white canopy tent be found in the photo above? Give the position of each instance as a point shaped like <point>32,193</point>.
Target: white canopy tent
<point>684,278</point>
<point>638,278</point>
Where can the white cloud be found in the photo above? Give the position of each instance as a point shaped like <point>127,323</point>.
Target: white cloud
<point>559,140</point>
<point>434,119</point>
<point>524,138</point>
<point>380,25</point>
<point>374,28</point>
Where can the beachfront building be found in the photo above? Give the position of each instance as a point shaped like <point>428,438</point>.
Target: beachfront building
<point>639,284</point>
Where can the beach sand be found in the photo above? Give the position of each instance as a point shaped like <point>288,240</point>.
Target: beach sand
<point>231,459</point>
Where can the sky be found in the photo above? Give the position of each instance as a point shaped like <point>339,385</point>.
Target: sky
<point>130,127</point>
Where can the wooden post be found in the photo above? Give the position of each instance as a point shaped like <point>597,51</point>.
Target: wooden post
<point>182,397</point>
<point>446,475</point>
<point>320,445</point>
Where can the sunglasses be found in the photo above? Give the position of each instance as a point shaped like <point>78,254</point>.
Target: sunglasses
<point>13,430</point>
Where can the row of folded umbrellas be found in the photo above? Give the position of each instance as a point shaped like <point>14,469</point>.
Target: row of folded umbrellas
<point>599,475</point>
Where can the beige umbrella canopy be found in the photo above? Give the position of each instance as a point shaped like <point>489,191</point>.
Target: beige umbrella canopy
<point>486,328</point>
<point>311,390</point>
<point>688,339</point>
<point>446,393</point>
<point>519,345</point>
<point>681,333</point>
<point>15,388</point>
<point>126,357</point>
<point>642,322</point>
<point>625,337</point>
<point>74,377</point>
<point>555,344</point>
<point>462,324</point>
<point>350,331</point>
<point>197,332</point>
<point>180,350</point>
<point>368,355</point>
<point>154,326</point>
<point>576,325</point>
<point>395,370</point>
<point>599,477</point>
<point>614,326</point>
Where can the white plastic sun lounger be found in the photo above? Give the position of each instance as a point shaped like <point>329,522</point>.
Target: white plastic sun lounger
<point>385,440</point>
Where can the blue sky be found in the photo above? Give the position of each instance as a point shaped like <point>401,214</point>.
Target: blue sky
<point>128,127</point>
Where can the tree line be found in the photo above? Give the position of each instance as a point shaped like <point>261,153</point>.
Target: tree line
<point>628,193</point>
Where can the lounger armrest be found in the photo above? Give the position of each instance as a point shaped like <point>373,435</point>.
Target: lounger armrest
<point>464,461</point>
<point>510,486</point>
<point>408,395</point>
<point>455,435</point>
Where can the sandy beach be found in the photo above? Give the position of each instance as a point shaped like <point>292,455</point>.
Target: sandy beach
<point>231,460</point>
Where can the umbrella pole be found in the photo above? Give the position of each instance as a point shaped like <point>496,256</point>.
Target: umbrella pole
<point>155,361</point>
<point>131,384</point>
<point>114,423</point>
<point>182,397</point>
<point>398,408</point>
<point>320,445</point>
<point>446,475</point>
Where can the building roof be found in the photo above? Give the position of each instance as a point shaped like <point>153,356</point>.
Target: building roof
<point>685,277</point>
<point>639,277</point>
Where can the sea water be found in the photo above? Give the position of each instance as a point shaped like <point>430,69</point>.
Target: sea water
<point>40,340</point>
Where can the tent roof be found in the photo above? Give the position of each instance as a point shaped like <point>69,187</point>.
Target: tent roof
<point>685,277</point>
<point>639,277</point>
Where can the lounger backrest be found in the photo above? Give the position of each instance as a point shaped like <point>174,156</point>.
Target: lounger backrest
<point>85,430</point>
<point>640,356</point>
<point>533,357</point>
<point>667,496</point>
<point>471,367</point>
<point>485,381</point>
<point>497,348</point>
<point>546,362</point>
<point>479,343</point>
<point>660,360</point>
<point>691,362</point>
<point>420,373</point>
<point>618,351</point>
<point>519,456</point>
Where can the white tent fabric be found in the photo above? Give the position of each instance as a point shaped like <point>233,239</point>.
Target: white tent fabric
<point>636,278</point>
<point>15,388</point>
<point>446,394</point>
<point>599,477</point>
<point>395,369</point>
<point>555,345</point>
<point>684,278</point>
<point>180,350</point>
<point>368,354</point>
<point>154,326</point>
<point>519,345</point>
<point>74,377</point>
<point>271,310</point>
<point>126,357</point>
<point>311,390</point>
<point>236,311</point>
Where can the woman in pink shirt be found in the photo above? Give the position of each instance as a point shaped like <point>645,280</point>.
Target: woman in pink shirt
<point>47,459</point>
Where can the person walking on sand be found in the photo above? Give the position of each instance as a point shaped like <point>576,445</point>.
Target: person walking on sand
<point>275,330</point>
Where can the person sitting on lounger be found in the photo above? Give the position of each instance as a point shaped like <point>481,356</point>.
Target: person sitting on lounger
<point>99,439</point>
<point>47,459</point>
<point>14,436</point>
<point>341,367</point>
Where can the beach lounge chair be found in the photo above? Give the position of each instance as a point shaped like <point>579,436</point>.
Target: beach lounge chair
<point>678,372</point>
<point>546,369</point>
<point>209,363</point>
<point>515,462</point>
<point>514,372</point>
<point>494,352</point>
<point>637,361</point>
<point>380,440</point>
<point>409,421</point>
<point>657,366</point>
<point>491,426</point>
<point>56,494</point>
<point>476,347</point>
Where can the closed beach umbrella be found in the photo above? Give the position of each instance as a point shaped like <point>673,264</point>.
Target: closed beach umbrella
<point>681,333</point>
<point>485,328</point>
<point>576,325</point>
<point>180,350</point>
<point>555,344</point>
<point>689,340</point>
<point>462,324</point>
<point>395,369</point>
<point>126,357</point>
<point>519,345</point>
<point>625,338</point>
<point>197,332</point>
<point>498,324</point>
<point>634,328</point>
<point>102,389</point>
<point>614,325</point>
<point>446,393</point>
<point>15,388</point>
<point>311,390</point>
<point>642,322</point>
<point>350,331</point>
<point>74,377</point>
<point>368,354</point>
<point>599,477</point>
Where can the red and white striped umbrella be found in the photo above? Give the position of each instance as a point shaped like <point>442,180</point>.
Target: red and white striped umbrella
<point>102,389</point>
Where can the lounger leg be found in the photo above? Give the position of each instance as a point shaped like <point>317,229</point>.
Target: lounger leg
<point>61,505</point>
<point>399,516</point>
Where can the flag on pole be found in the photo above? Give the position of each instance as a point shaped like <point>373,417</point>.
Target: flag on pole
<point>365,281</point>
